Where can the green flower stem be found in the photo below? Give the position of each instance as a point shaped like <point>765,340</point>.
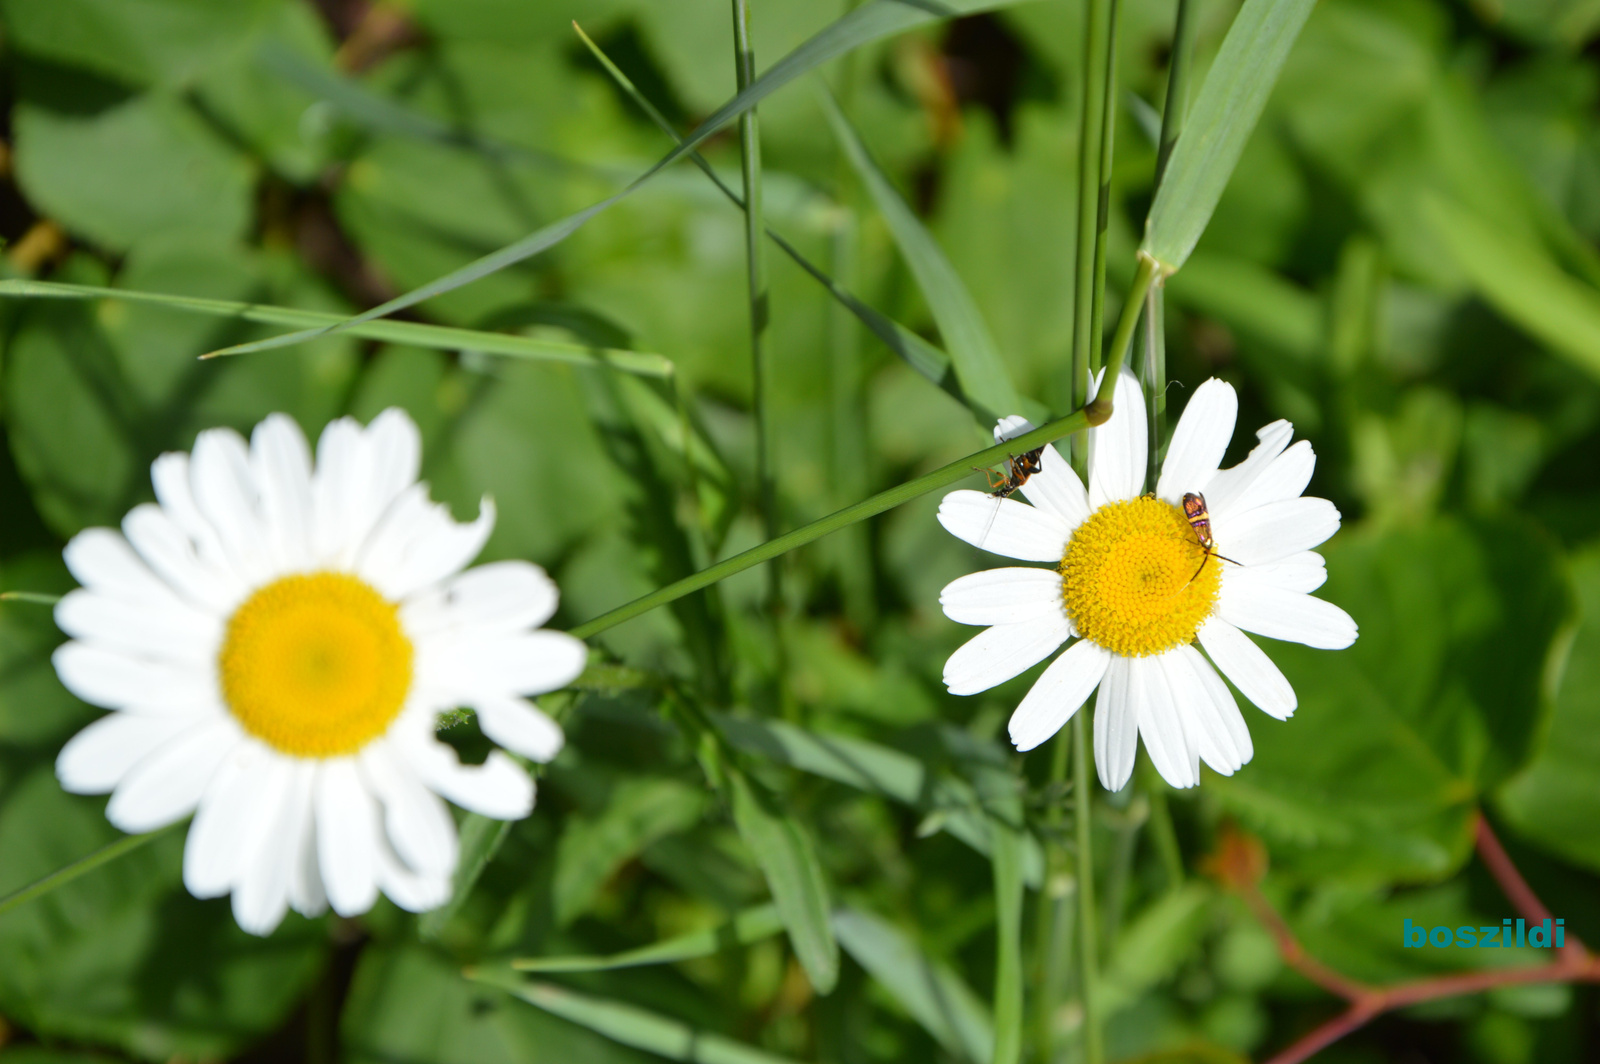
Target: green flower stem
<point>1100,409</point>
<point>877,504</point>
<point>1166,839</point>
<point>755,264</point>
<point>1179,70</point>
<point>1088,958</point>
<point>36,597</point>
<point>61,876</point>
<point>1154,375</point>
<point>1096,69</point>
<point>1108,130</point>
<point>1053,915</point>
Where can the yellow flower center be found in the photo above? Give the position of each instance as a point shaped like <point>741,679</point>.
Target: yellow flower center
<point>315,665</point>
<point>1129,578</point>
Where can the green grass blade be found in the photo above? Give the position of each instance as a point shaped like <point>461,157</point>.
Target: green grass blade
<point>37,598</point>
<point>417,334</point>
<point>1521,282</point>
<point>481,838</point>
<point>1225,111</point>
<point>784,851</point>
<point>927,359</point>
<point>876,20</point>
<point>1006,859</point>
<point>928,989</point>
<point>751,925</point>
<point>973,351</point>
<point>631,1025</point>
<point>62,876</point>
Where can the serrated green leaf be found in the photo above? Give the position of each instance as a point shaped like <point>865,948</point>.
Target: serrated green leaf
<point>787,858</point>
<point>1224,114</point>
<point>932,992</point>
<point>751,925</point>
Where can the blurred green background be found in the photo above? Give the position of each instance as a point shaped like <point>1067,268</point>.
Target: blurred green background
<point>1404,265</point>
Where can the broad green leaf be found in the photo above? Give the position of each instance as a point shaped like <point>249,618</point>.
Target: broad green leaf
<point>751,925</point>
<point>788,859</point>
<point>481,839</point>
<point>633,1026</point>
<point>973,353</point>
<point>928,988</point>
<point>418,334</point>
<point>122,956</point>
<point>1520,281</point>
<point>1224,114</point>
<point>1151,949</point>
<point>592,848</point>
<point>1555,801</point>
<point>407,1003</point>
<point>870,22</point>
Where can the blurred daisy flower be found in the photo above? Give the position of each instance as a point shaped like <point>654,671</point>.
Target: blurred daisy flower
<point>277,641</point>
<point>1134,588</point>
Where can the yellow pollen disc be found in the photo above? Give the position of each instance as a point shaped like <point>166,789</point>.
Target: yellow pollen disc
<point>315,665</point>
<point>1128,578</point>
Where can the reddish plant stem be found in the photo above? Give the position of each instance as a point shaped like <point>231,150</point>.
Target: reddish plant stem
<point>1576,963</point>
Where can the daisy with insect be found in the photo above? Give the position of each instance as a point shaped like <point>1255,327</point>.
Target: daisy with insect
<point>1138,579</point>
<point>276,641</point>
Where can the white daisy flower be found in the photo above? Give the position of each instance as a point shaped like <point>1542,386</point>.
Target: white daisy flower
<point>276,643</point>
<point>1134,589</point>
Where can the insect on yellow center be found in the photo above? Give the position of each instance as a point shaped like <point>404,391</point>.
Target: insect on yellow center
<point>1128,578</point>
<point>316,664</point>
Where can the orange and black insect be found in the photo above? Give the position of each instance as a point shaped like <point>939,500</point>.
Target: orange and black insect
<point>1019,467</point>
<point>1194,510</point>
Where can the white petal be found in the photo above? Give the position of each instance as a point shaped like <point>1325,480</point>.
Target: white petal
<point>414,548</point>
<point>167,784</point>
<point>418,825</point>
<point>225,491</point>
<point>1003,596</point>
<point>162,628</point>
<point>996,654</point>
<point>520,727</point>
<point>347,830</point>
<point>528,663</point>
<point>1118,449</point>
<point>102,561</point>
<point>412,891</point>
<point>1057,694</point>
<point>1116,727</point>
<point>1056,488</point>
<point>107,678</point>
<point>95,760</point>
<point>1248,666</point>
<point>396,454</point>
<point>170,552</point>
<point>1285,477</point>
<point>1224,488</point>
<point>1004,526</point>
<point>306,894</point>
<point>1305,571</point>
<point>502,597</point>
<point>170,476</point>
<point>1211,717</point>
<point>1199,441</point>
<point>1288,615</point>
<point>1155,704</point>
<point>1274,531</point>
<point>234,816</point>
<point>498,788</point>
<point>261,894</point>
<point>281,462</point>
<point>1009,428</point>
<point>342,500</point>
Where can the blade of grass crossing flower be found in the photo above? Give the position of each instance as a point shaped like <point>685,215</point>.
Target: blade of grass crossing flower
<point>972,348</point>
<point>398,332</point>
<point>481,838</point>
<point>751,925</point>
<point>927,988</point>
<point>62,876</point>
<point>784,852</point>
<point>1224,113</point>
<point>919,354</point>
<point>631,1025</point>
<point>879,19</point>
<point>877,504</point>
<point>1007,864</point>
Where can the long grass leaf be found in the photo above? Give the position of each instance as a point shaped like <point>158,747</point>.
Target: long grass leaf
<point>631,1025</point>
<point>481,838</point>
<point>784,852</point>
<point>928,989</point>
<point>417,334</point>
<point>973,351</point>
<point>751,925</point>
<point>874,21</point>
<point>1225,111</point>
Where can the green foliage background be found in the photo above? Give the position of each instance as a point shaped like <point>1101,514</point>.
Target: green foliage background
<point>1403,264</point>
